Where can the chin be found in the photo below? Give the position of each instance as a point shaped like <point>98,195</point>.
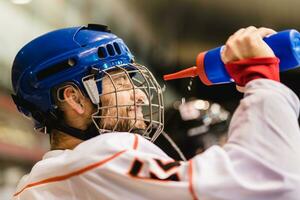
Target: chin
<point>123,125</point>
<point>140,124</point>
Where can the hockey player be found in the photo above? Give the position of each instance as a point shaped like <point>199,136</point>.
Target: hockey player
<point>103,112</point>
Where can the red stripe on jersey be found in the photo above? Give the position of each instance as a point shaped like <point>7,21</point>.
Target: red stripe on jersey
<point>69,175</point>
<point>136,142</point>
<point>191,188</point>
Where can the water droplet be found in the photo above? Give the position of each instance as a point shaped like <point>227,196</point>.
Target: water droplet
<point>189,87</point>
<point>163,89</point>
<point>182,100</point>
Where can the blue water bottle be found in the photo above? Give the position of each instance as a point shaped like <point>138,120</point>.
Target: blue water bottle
<point>211,70</point>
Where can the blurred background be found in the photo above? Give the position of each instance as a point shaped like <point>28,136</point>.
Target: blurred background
<point>164,35</point>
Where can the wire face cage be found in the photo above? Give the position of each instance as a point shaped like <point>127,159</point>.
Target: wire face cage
<point>128,99</point>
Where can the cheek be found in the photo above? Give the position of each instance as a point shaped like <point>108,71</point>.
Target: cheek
<point>91,109</point>
<point>124,98</point>
<point>110,100</point>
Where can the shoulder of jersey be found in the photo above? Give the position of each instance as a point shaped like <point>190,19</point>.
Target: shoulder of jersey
<point>118,141</point>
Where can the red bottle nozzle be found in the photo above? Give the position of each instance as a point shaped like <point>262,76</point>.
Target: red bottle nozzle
<point>192,71</point>
<point>189,72</point>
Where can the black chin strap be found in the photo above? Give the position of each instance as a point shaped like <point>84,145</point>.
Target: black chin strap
<point>50,121</point>
<point>89,133</point>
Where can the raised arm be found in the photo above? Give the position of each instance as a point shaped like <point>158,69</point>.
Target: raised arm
<point>261,158</point>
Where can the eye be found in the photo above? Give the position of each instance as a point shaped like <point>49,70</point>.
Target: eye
<point>127,85</point>
<point>120,84</point>
<point>123,85</point>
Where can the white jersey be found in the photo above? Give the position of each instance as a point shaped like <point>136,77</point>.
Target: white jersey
<point>260,161</point>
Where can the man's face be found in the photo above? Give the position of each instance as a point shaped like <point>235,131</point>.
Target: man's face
<point>121,103</point>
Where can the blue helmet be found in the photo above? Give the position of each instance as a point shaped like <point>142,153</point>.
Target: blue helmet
<point>60,56</point>
<point>65,55</point>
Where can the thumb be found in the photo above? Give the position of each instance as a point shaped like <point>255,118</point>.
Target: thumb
<point>263,32</point>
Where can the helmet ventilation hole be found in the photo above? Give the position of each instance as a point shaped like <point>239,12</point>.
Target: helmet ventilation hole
<point>117,48</point>
<point>110,50</point>
<point>102,52</point>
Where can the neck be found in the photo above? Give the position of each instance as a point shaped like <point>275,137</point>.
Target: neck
<point>61,140</point>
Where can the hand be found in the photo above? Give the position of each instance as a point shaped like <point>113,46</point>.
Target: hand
<point>244,44</point>
<point>247,43</point>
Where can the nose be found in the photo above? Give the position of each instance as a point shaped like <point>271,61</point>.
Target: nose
<point>140,97</point>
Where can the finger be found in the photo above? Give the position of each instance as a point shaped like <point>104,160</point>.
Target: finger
<point>263,32</point>
<point>248,31</point>
<point>225,56</point>
<point>238,33</point>
<point>232,38</point>
<point>233,43</point>
<point>235,35</point>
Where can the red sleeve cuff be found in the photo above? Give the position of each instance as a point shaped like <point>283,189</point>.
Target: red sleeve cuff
<point>243,71</point>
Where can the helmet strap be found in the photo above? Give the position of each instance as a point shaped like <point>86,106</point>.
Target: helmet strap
<point>77,133</point>
<point>51,121</point>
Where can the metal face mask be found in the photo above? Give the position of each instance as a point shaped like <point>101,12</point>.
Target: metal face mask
<point>128,99</point>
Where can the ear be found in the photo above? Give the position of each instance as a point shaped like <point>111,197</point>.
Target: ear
<point>74,99</point>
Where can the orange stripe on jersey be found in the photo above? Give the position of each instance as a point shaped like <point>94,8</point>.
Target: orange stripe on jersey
<point>191,188</point>
<point>136,142</point>
<point>69,175</point>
